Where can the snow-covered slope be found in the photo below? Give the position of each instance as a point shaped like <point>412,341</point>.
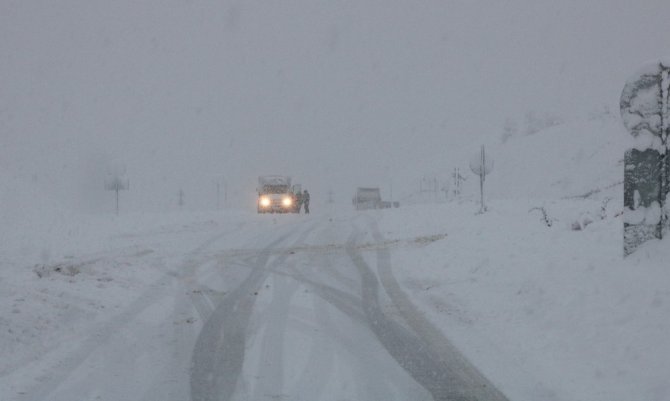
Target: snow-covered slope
<point>549,313</point>
<point>536,289</point>
<point>581,158</point>
<point>541,160</point>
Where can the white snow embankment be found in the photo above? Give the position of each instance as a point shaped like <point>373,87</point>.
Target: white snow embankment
<point>567,160</point>
<point>63,276</point>
<point>549,313</point>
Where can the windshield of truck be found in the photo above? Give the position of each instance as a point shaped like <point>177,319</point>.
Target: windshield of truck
<point>275,189</point>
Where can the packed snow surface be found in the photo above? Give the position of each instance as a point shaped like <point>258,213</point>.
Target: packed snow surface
<point>544,312</point>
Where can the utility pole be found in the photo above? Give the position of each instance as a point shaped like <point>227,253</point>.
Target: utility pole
<point>115,181</point>
<point>481,165</point>
<point>458,180</point>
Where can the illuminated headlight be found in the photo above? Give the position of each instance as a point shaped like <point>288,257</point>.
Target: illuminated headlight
<point>287,202</point>
<point>265,201</point>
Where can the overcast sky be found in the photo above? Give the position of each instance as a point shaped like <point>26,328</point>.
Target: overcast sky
<point>335,93</point>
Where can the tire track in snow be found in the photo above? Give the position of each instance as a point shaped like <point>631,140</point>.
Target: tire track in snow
<point>364,363</point>
<point>188,296</point>
<point>219,352</point>
<point>100,336</point>
<point>429,358</point>
<point>319,365</point>
<point>271,369</point>
<point>105,332</point>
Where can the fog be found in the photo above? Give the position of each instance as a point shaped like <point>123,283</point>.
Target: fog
<point>337,94</point>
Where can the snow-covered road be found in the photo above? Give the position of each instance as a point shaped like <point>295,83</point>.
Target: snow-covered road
<point>310,323</point>
<point>338,305</point>
<point>267,307</point>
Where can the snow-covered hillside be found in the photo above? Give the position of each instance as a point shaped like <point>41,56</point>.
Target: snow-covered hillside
<point>541,160</point>
<point>550,313</point>
<point>572,159</point>
<point>536,289</point>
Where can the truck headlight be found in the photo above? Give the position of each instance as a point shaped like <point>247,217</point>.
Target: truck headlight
<point>265,201</point>
<point>287,201</point>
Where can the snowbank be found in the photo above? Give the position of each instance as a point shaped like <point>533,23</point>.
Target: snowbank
<point>551,313</point>
<point>567,160</point>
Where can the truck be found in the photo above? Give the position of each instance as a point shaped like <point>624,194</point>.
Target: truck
<point>367,198</point>
<point>371,198</point>
<point>275,194</point>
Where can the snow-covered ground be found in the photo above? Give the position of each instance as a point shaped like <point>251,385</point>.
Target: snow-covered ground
<point>548,312</point>
<point>546,308</point>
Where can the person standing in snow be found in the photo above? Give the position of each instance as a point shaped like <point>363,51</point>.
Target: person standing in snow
<point>305,201</point>
<point>298,201</point>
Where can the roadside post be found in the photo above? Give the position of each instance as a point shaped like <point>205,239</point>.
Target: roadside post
<point>458,181</point>
<point>481,165</point>
<point>116,181</point>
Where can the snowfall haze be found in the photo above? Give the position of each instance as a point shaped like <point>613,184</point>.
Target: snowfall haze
<point>336,94</point>
<point>188,293</point>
